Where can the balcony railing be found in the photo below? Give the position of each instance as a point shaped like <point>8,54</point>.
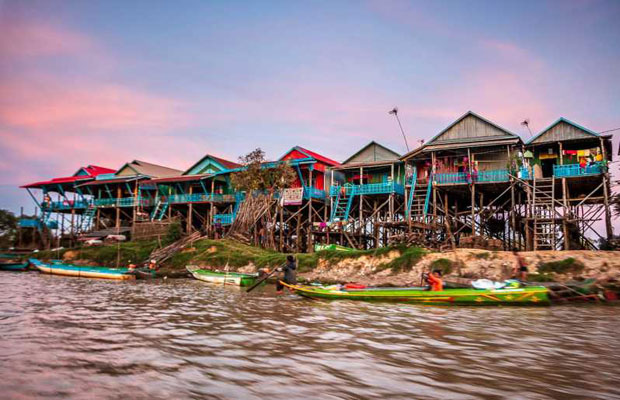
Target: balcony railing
<point>314,193</point>
<point>369,188</point>
<point>65,205</point>
<point>123,202</point>
<point>201,197</point>
<point>455,177</point>
<point>571,170</point>
<point>494,175</point>
<point>224,219</point>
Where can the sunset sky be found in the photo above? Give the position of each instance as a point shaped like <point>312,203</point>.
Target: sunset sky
<point>105,82</point>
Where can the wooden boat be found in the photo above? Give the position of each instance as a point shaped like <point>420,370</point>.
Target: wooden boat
<point>531,295</point>
<point>14,266</point>
<point>82,271</point>
<point>222,277</point>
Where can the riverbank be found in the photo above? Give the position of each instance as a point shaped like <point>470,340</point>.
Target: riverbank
<point>384,266</point>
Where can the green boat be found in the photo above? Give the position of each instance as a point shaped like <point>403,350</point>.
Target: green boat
<point>222,277</point>
<point>14,266</point>
<point>523,296</point>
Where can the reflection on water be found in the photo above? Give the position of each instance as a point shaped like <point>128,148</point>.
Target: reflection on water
<point>79,338</point>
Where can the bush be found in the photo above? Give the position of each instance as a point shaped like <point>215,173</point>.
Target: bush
<point>408,258</point>
<point>561,267</point>
<point>443,264</point>
<point>174,233</point>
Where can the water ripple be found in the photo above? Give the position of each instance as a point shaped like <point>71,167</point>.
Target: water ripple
<point>78,338</point>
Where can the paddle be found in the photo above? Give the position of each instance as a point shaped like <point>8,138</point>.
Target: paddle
<point>261,281</point>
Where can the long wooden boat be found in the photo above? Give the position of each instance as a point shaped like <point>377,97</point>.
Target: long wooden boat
<point>222,277</point>
<point>14,266</point>
<point>531,295</point>
<point>82,271</point>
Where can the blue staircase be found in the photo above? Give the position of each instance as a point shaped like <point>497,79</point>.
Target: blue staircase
<point>87,218</point>
<point>160,210</point>
<point>414,179</point>
<point>428,195</point>
<point>342,206</point>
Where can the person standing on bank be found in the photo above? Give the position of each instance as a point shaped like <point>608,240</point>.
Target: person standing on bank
<point>290,274</point>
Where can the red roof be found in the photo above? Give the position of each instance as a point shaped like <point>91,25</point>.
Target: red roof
<point>226,163</point>
<point>181,178</point>
<point>92,170</point>
<point>314,155</point>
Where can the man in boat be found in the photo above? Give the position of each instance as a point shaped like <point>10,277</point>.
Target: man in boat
<point>290,275</point>
<point>434,279</point>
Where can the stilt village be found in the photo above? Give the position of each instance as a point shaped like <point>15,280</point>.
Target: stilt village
<point>474,184</point>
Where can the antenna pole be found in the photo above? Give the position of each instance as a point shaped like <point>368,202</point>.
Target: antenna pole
<point>395,112</point>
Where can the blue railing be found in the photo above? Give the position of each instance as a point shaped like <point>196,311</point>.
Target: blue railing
<point>495,175</point>
<point>314,193</point>
<point>224,219</point>
<point>525,173</point>
<point>65,205</point>
<point>369,188</point>
<point>29,223</point>
<point>562,171</point>
<point>454,177</point>
<point>201,197</point>
<point>123,202</point>
<point>427,200</point>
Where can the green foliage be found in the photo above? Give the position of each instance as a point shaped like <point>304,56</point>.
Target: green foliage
<point>482,256</point>
<point>8,228</point>
<point>561,267</point>
<point>136,252</point>
<point>443,264</point>
<point>540,278</point>
<point>174,233</point>
<point>255,177</point>
<point>408,258</point>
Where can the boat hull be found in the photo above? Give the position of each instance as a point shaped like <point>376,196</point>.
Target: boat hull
<point>17,266</point>
<point>223,278</point>
<point>526,296</point>
<point>83,271</point>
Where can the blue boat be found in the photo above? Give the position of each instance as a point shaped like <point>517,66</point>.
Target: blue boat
<point>82,271</point>
<point>14,266</point>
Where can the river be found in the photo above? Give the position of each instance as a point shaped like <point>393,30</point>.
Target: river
<point>93,339</point>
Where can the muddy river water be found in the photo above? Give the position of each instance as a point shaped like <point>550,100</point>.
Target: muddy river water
<point>92,339</point>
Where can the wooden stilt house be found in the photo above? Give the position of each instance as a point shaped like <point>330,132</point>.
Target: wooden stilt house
<point>64,208</point>
<point>568,187</point>
<point>366,198</point>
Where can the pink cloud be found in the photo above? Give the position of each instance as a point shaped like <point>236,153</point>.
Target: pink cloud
<point>26,39</point>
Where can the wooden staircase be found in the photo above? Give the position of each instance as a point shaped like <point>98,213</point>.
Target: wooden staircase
<point>544,214</point>
<point>342,206</point>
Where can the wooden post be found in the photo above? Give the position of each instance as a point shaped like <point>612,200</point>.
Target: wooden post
<point>281,247</point>
<point>117,225</point>
<point>608,227</point>
<point>190,211</point>
<point>310,247</point>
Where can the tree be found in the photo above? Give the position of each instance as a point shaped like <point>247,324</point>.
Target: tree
<point>8,228</point>
<point>261,176</point>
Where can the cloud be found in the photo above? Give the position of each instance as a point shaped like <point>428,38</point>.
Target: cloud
<point>22,38</point>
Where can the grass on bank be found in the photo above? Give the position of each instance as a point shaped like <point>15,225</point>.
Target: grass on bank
<point>219,253</point>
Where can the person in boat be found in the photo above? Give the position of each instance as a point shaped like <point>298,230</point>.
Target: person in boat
<point>152,265</point>
<point>435,281</point>
<point>290,274</point>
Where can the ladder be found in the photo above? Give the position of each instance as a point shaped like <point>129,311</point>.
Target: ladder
<point>87,218</point>
<point>417,201</point>
<point>160,210</point>
<point>342,206</point>
<point>427,200</point>
<point>544,214</point>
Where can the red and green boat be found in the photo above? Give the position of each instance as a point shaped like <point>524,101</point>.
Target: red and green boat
<point>522,296</point>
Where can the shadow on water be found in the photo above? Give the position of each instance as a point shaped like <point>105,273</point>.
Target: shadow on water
<point>79,338</point>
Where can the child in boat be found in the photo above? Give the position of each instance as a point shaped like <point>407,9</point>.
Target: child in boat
<point>289,273</point>
<point>434,279</point>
